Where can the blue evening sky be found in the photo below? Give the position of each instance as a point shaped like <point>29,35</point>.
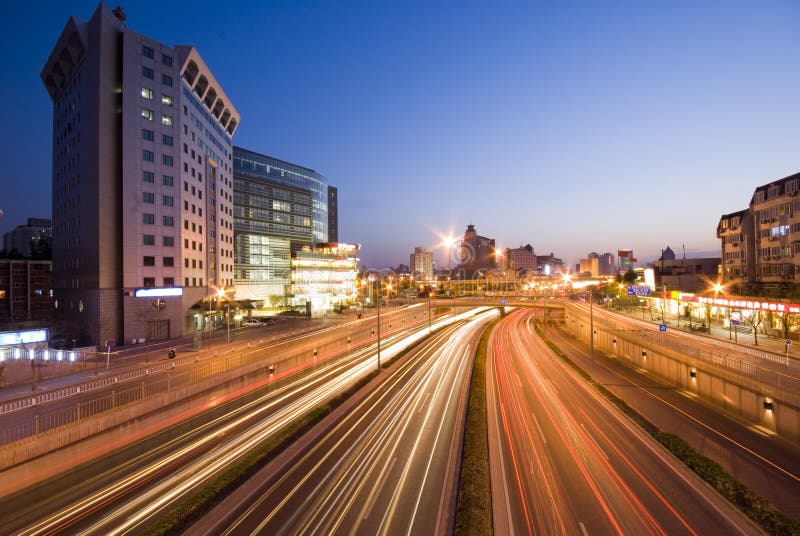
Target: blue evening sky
<point>571,126</point>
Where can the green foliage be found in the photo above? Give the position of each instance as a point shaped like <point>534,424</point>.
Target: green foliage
<point>474,509</point>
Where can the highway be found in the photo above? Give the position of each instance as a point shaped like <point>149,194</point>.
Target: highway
<point>764,461</point>
<point>125,491</point>
<point>389,466</point>
<point>563,461</point>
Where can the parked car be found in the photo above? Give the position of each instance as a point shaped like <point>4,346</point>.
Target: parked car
<point>247,323</point>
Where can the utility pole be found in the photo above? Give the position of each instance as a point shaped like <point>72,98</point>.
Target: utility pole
<point>591,333</point>
<point>379,324</point>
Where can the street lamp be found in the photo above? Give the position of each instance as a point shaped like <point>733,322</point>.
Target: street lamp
<point>448,243</point>
<point>380,283</point>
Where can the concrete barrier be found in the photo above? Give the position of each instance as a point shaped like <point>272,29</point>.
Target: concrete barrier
<point>107,411</point>
<point>738,386</point>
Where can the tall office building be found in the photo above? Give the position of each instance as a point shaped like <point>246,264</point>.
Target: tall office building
<point>262,167</point>
<point>421,264</point>
<point>142,182</point>
<point>280,208</point>
<point>32,239</point>
<point>333,214</point>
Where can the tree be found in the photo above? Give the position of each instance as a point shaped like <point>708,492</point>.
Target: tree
<point>754,320</point>
<point>788,321</point>
<point>275,300</point>
<point>630,276</point>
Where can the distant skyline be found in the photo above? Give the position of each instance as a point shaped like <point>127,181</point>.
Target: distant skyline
<point>573,127</point>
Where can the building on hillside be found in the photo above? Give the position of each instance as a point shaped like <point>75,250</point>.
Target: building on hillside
<point>142,182</point>
<point>31,240</point>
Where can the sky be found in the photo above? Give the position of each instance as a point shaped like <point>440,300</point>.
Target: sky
<point>570,126</point>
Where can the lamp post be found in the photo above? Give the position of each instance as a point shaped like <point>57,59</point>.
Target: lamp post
<point>591,333</point>
<point>379,324</point>
<point>430,327</point>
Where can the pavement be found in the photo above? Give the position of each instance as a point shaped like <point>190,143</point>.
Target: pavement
<point>768,344</point>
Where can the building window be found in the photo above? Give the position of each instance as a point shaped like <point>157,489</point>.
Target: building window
<point>147,114</point>
<point>166,140</point>
<point>148,176</point>
<point>166,60</point>
<point>168,200</point>
<point>147,52</point>
<point>169,281</point>
<point>147,72</point>
<point>168,221</point>
<point>167,180</point>
<point>169,261</point>
<point>166,159</point>
<point>148,260</point>
<point>148,219</point>
<point>149,282</point>
<point>168,241</point>
<point>148,156</point>
<point>148,197</point>
<point>185,281</point>
<point>148,240</point>
<point>147,135</point>
<point>186,246</point>
<point>166,120</point>
<point>186,224</point>
<point>147,93</point>
<point>166,80</point>
<point>166,100</point>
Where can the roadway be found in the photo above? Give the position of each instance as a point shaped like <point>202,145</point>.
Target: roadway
<point>564,461</point>
<point>389,465</point>
<point>761,459</point>
<point>114,488</point>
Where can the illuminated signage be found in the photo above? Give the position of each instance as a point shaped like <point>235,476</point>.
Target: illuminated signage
<point>750,304</point>
<point>23,337</point>
<point>158,292</point>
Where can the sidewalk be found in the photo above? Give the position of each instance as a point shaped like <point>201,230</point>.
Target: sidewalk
<point>716,331</point>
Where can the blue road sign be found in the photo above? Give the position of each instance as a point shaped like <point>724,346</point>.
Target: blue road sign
<point>503,302</point>
<point>662,327</point>
<point>788,342</point>
<point>638,290</point>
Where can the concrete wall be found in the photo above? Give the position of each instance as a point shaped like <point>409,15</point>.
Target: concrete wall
<point>229,369</point>
<point>733,385</point>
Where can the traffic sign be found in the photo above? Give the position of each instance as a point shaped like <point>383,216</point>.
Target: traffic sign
<point>788,342</point>
<point>638,290</point>
<point>735,322</point>
<point>662,327</point>
<point>503,301</point>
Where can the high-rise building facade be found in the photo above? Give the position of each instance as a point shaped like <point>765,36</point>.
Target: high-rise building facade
<point>476,252</point>
<point>761,244</point>
<point>25,291</point>
<point>30,239</point>
<point>142,182</point>
<point>518,259</point>
<point>271,221</point>
<point>333,214</point>
<point>421,264</point>
<point>249,164</point>
<point>280,209</point>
